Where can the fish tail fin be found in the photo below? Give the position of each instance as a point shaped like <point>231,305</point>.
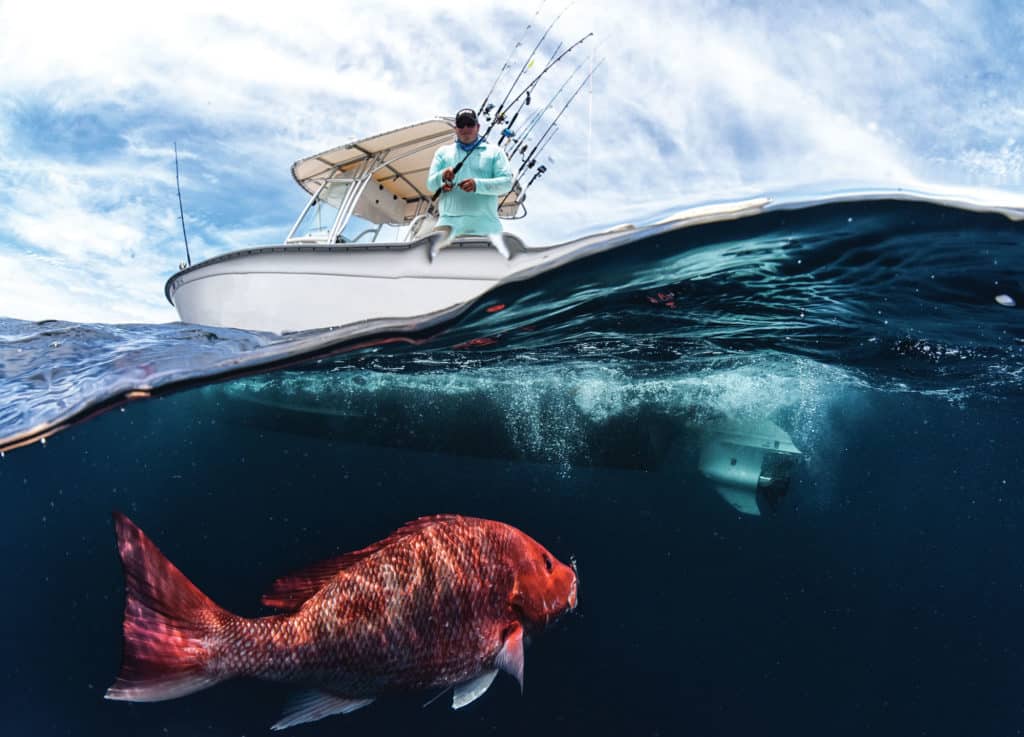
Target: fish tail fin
<point>169,625</point>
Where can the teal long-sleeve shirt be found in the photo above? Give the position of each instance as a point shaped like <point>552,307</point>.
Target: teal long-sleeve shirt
<point>471,213</point>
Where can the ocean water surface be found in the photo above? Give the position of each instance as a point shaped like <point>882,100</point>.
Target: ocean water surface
<point>878,591</point>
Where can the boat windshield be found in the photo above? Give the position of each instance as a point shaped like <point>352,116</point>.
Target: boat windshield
<point>318,219</point>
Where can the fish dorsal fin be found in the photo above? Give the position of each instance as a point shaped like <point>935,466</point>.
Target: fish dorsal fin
<point>310,706</point>
<point>470,691</point>
<point>511,658</point>
<point>290,592</point>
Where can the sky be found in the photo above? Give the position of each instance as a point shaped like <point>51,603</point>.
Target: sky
<point>694,102</point>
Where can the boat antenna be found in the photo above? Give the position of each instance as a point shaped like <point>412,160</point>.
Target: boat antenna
<point>181,209</point>
<point>508,62</point>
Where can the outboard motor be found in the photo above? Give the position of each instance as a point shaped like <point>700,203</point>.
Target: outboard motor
<point>750,463</point>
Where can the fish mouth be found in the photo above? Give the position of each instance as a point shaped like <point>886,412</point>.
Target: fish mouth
<point>574,587</point>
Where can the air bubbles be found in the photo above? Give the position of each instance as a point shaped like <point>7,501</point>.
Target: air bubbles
<point>1006,300</point>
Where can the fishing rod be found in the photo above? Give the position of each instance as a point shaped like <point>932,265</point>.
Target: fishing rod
<point>508,133</point>
<point>508,62</point>
<point>548,134</point>
<point>502,111</point>
<point>537,117</point>
<point>181,209</point>
<point>526,65</point>
<point>530,161</point>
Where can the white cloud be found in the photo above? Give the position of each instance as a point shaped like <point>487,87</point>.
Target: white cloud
<point>40,288</point>
<point>695,101</point>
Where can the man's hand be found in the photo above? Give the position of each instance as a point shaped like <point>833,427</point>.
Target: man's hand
<point>447,176</point>
<point>468,185</point>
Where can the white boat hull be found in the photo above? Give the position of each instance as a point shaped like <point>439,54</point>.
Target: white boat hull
<point>284,289</point>
<point>290,289</point>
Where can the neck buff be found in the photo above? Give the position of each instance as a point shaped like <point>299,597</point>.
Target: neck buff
<point>467,147</point>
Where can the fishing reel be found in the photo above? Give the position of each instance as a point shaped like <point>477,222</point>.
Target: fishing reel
<point>540,170</point>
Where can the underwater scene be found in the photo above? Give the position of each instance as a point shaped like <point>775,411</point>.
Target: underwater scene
<point>782,455</point>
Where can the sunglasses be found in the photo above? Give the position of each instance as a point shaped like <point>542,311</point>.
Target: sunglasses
<point>466,125</point>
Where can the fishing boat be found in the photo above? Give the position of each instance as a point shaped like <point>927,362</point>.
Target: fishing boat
<point>360,248</point>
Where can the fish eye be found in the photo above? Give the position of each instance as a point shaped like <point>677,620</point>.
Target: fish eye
<point>547,563</point>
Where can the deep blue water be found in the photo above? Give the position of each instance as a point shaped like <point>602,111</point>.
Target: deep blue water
<point>883,595</point>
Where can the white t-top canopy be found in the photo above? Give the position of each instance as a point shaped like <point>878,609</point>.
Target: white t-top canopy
<point>403,163</point>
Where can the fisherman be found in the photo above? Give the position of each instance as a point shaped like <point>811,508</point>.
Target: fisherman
<point>469,206</point>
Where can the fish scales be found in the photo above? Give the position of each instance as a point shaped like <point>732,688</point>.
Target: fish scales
<point>422,614</point>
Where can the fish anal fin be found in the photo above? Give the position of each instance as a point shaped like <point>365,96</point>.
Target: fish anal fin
<point>470,691</point>
<point>511,658</point>
<point>311,706</point>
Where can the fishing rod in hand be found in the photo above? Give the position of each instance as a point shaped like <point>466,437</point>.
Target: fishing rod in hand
<point>508,62</point>
<point>455,169</point>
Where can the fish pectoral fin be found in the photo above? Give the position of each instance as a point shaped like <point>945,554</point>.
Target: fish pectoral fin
<point>470,691</point>
<point>510,658</point>
<point>310,706</point>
